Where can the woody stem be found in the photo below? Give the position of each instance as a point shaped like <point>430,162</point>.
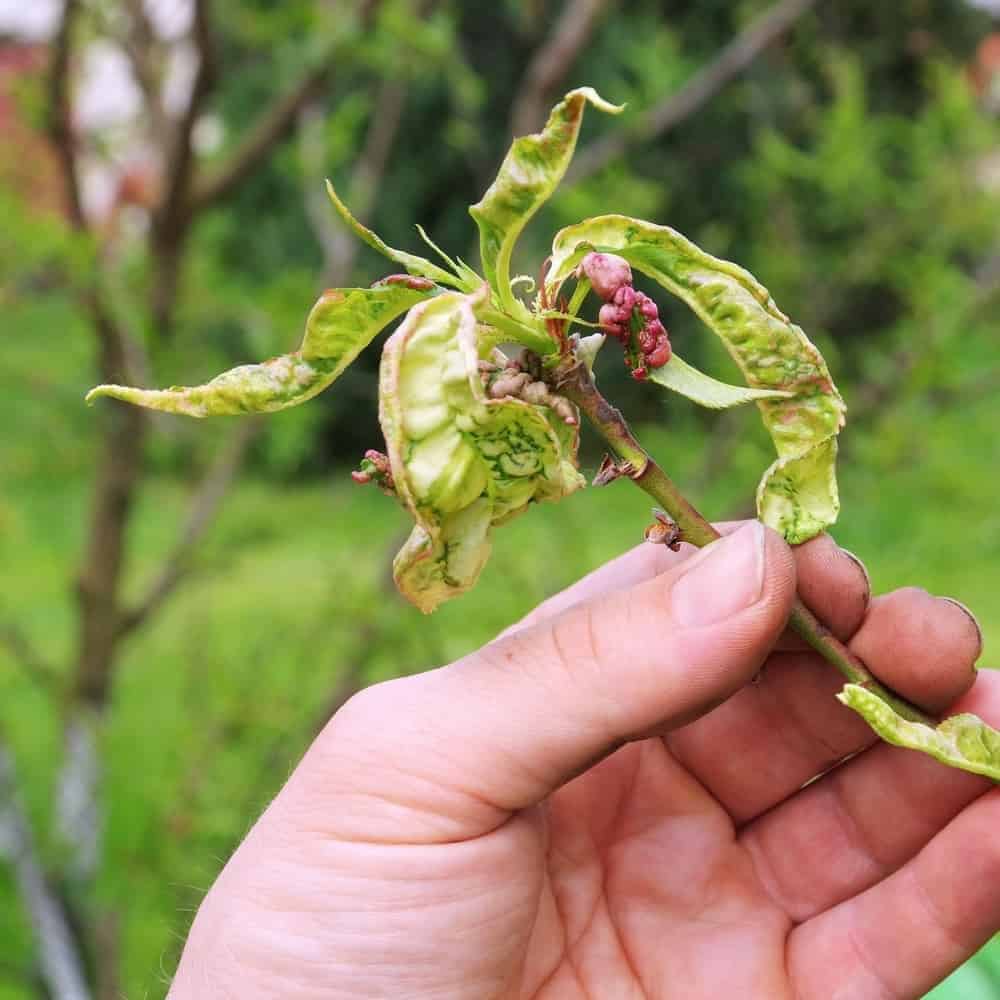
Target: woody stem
<point>576,384</point>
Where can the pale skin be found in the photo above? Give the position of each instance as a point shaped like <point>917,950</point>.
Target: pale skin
<point>607,802</point>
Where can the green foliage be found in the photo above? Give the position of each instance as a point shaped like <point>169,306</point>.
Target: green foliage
<point>845,169</point>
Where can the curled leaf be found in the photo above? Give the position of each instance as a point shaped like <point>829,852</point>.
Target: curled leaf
<point>340,325</point>
<point>413,263</point>
<point>687,380</point>
<point>798,493</point>
<point>963,741</point>
<point>529,174</point>
<point>461,461</point>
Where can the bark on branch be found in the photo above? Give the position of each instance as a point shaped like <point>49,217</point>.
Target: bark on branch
<point>205,504</point>
<point>732,60</point>
<point>61,111</point>
<point>273,126</point>
<point>552,62</point>
<point>60,957</point>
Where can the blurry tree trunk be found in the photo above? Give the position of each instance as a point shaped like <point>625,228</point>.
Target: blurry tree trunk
<point>68,948</point>
<point>59,956</point>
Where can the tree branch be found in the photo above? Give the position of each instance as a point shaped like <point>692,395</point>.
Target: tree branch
<point>172,213</point>
<point>61,111</point>
<point>575,382</point>
<point>205,503</point>
<point>139,43</point>
<point>340,246</point>
<point>732,60</point>
<point>22,650</point>
<point>272,126</point>
<point>552,62</point>
<point>60,956</point>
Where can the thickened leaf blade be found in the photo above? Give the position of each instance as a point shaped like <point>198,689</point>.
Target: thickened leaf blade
<point>685,379</point>
<point>340,325</point>
<point>962,741</point>
<point>798,493</point>
<point>344,321</point>
<point>413,263</point>
<point>529,174</point>
<point>274,385</point>
<point>461,462</point>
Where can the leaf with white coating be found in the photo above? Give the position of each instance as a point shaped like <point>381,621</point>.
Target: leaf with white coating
<point>963,741</point>
<point>461,462</point>
<point>798,493</point>
<point>340,325</point>
<point>687,380</point>
<point>529,174</point>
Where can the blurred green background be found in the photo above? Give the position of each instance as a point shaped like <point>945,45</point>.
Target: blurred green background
<point>183,604</point>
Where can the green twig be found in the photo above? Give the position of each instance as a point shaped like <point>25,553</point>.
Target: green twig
<point>576,384</point>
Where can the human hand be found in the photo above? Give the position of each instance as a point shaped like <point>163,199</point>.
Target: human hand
<point>607,801</point>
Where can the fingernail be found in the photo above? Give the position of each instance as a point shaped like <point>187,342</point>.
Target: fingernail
<point>973,620</point>
<point>864,572</point>
<point>723,579</point>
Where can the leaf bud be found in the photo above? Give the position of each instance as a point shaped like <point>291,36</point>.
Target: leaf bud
<point>607,273</point>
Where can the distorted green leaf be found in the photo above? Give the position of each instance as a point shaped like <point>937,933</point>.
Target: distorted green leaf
<point>963,741</point>
<point>461,461</point>
<point>529,174</point>
<point>685,379</point>
<point>340,325</point>
<point>413,263</point>
<point>798,493</point>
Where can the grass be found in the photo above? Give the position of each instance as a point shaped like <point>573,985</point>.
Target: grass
<point>216,700</point>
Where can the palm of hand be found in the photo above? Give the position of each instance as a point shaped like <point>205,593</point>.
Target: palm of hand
<point>637,886</point>
<point>688,863</point>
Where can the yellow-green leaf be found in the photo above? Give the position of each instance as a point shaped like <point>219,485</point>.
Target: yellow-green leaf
<point>963,741</point>
<point>340,325</point>
<point>687,380</point>
<point>461,462</point>
<point>529,174</point>
<point>798,493</point>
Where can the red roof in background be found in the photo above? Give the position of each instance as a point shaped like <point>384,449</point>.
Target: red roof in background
<point>27,161</point>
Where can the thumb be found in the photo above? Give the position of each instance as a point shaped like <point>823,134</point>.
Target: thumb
<point>449,754</point>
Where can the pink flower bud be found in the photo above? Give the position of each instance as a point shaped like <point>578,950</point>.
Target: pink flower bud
<point>610,318</point>
<point>648,308</point>
<point>625,298</point>
<point>639,374</point>
<point>647,341</point>
<point>661,355</point>
<point>656,329</point>
<point>607,273</point>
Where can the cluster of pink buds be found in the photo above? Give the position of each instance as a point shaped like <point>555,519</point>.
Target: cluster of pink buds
<point>375,469</point>
<point>648,346</point>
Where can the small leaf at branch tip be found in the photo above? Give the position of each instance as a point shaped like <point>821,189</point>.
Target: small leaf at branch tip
<point>962,741</point>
